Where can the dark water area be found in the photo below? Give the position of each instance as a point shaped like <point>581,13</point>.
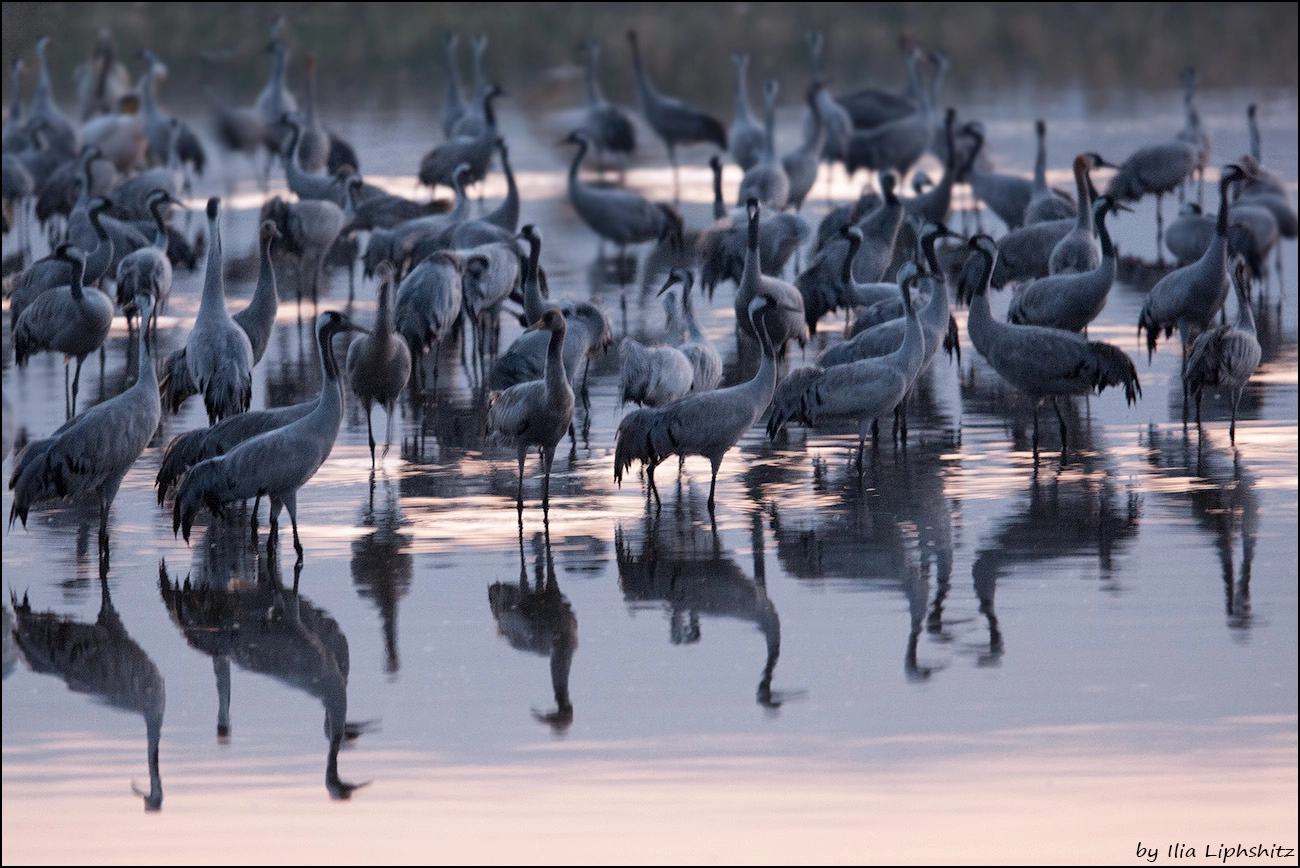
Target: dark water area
<point>960,654</point>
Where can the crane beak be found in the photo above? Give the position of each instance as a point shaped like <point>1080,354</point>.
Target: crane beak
<point>669,282</point>
<point>535,327</point>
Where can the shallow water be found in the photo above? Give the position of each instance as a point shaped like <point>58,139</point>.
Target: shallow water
<point>960,655</point>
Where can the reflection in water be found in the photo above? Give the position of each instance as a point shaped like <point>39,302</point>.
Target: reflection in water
<point>1064,517</point>
<point>887,529</point>
<point>250,618</point>
<point>382,565</point>
<point>685,567</point>
<point>1224,502</point>
<point>102,660</point>
<point>539,619</point>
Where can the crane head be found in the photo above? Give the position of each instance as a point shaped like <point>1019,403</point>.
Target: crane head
<point>214,207</point>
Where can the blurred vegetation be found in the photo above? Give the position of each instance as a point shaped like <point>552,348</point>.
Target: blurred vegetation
<point>391,54</point>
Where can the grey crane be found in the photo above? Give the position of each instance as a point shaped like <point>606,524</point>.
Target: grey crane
<point>314,148</point>
<point>8,426</point>
<point>766,179</point>
<point>587,329</point>
<point>801,163</point>
<point>274,102</point>
<point>1189,297</point>
<point>62,136</point>
<point>1044,203</point>
<point>102,80</point>
<point>1194,132</point>
<point>148,270</point>
<point>492,272</point>
<point>674,121</point>
<point>706,364</point>
<point>872,107</point>
<point>721,246</point>
<point>379,364</point>
<point>862,390</point>
<point>703,423</point>
<point>398,243</point>
<point>933,205</point>
<point>277,463</point>
<point>1157,169</point>
<point>453,104</point>
<point>1077,251</point>
<point>653,376</point>
<point>1223,359</point>
<point>893,146</point>
<point>54,271</point>
<point>619,216</point>
<point>304,183</point>
<point>92,452</point>
<point>1026,253</point>
<point>745,137</point>
<point>610,128</point>
<point>429,302</point>
<point>1070,300</point>
<point>308,229</point>
<point>784,319</point>
<point>538,412</point>
<point>887,333</point>
<point>218,353</point>
<point>440,164</point>
<point>1006,195</point>
<point>73,320</point>
<point>475,118</point>
<point>1252,233</point>
<point>257,320</point>
<point>1039,361</point>
<point>822,284</point>
<point>100,660</point>
<point>837,121</point>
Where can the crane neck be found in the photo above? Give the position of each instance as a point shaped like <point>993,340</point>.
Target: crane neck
<point>146,373</point>
<point>645,90</point>
<point>969,167</point>
<point>915,90</point>
<point>933,93</point>
<point>742,89</point>
<point>1255,149</point>
<point>846,268</point>
<point>769,124</point>
<point>309,103</point>
<point>1103,234</point>
<point>534,304</point>
<point>147,105</point>
<point>506,215</point>
<point>78,282</point>
<point>385,323</point>
<point>277,67</point>
<point>556,378</point>
<point>264,294</point>
<point>814,140</point>
<point>159,222</point>
<point>764,381</point>
<point>213,301</point>
<point>1245,313</point>
<point>979,320</point>
<point>595,99</point>
<point>1040,164</point>
<point>44,88</point>
<point>461,211</point>
<point>577,161</point>
<point>688,310</point>
<point>1083,190</point>
<point>453,75</point>
<point>479,48</point>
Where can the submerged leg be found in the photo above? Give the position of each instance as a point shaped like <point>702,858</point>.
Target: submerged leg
<point>519,498</point>
<point>388,429</point>
<point>291,504</point>
<point>713,481</point>
<point>1035,430</point>
<point>650,478</point>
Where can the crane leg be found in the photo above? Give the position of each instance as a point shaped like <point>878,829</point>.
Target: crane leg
<point>519,498</point>
<point>1035,430</point>
<point>291,504</point>
<point>1061,420</point>
<point>388,429</point>
<point>713,484</point>
<point>370,432</point>
<point>273,531</point>
<point>252,522</point>
<point>1232,426</point>
<point>548,456</point>
<point>650,479</point>
<point>76,382</point>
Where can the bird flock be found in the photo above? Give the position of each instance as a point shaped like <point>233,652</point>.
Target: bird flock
<point>107,191</point>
